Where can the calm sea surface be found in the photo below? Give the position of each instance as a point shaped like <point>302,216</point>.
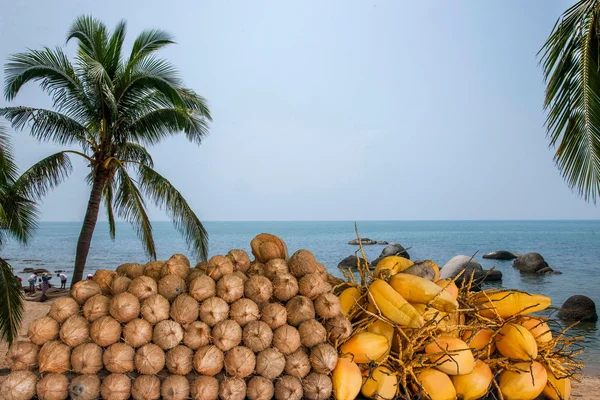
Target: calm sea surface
<point>572,247</point>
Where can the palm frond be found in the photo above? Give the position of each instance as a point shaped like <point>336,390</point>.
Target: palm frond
<point>147,43</point>
<point>44,176</point>
<point>115,45</point>
<point>159,189</point>
<point>8,168</point>
<point>149,74</point>
<point>91,34</point>
<point>130,151</point>
<point>11,303</point>
<point>18,214</point>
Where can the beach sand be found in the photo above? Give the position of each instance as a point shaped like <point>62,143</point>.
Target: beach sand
<point>586,390</point>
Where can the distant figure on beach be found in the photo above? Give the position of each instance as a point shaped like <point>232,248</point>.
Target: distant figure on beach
<point>31,281</point>
<point>63,280</point>
<point>90,277</point>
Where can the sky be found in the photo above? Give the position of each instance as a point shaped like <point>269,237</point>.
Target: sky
<point>338,109</point>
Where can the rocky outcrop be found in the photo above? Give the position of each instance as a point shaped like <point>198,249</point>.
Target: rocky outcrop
<point>459,263</point>
<point>364,241</point>
<point>500,255</point>
<point>394,249</point>
<point>531,263</point>
<point>578,308</point>
<point>350,262</point>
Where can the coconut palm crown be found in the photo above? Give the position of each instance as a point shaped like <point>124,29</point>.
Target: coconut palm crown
<point>107,107</point>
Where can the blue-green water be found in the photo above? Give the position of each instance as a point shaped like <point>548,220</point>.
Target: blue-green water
<point>571,247</point>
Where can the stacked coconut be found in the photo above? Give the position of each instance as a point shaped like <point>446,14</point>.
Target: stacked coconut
<point>228,328</point>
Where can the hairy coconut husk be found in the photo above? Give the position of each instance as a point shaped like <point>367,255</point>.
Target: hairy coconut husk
<point>63,308</point>
<point>105,331</point>
<point>184,309</point>
<point>196,335</point>
<point>181,259</point>
<point>275,267</point>
<point>240,361</point>
<point>312,333</point>
<point>230,288</point>
<point>149,359</point>
<point>257,336</point>
<point>323,358</point>
<point>167,334</point>
<point>214,310</point>
<point>241,275</point>
<point>232,389</point>
<point>288,388</point>
<point>327,306</point>
<point>205,388</point>
<point>22,356</point>
<point>179,360</point>
<point>312,285</point>
<point>256,268</point>
<point>244,311</point>
<point>116,387</point>
<point>317,386</point>
<point>239,259</point>
<point>227,334</point>
<point>285,286</point>
<point>137,332</point>
<point>118,358</point>
<point>175,267</point>
<point>208,360</point>
<point>53,387</point>
<point>153,269</point>
<point>87,358</point>
<point>274,315</point>
<point>43,330</point>
<point>202,266</point>
<point>338,328</point>
<point>146,387</point>
<point>194,273</point>
<point>286,339</point>
<point>124,307</point>
<point>270,363</point>
<point>260,388</point>
<point>171,286</point>
<point>298,363</point>
<point>131,270</point>
<point>85,387</point>
<point>155,309</point>
<point>19,385</point>
<point>143,287</point>
<point>299,309</point>
<point>202,288</point>
<point>120,284</point>
<point>95,307</point>
<point>74,331</point>
<point>83,290</point>
<point>175,387</point>
<point>301,263</point>
<point>104,278</point>
<point>259,289</point>
<point>266,247</point>
<point>219,266</point>
<point>322,270</point>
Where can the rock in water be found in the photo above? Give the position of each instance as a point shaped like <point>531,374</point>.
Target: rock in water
<point>364,241</point>
<point>530,263</point>
<point>460,263</point>
<point>500,255</point>
<point>578,308</point>
<point>394,249</point>
<point>350,262</point>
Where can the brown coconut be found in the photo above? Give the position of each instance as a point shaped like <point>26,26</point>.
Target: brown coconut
<point>146,387</point>
<point>317,386</point>
<point>143,287</point>
<point>244,311</point>
<point>194,273</point>
<point>75,331</point>
<point>266,247</point>
<point>179,360</point>
<point>260,388</point>
<point>120,284</point>
<point>301,263</point>
<point>205,388</point>
<point>239,361</point>
<point>83,290</point>
<point>312,285</point>
<point>42,330</point>
<point>196,335</point>
<point>226,334</point>
<point>275,267</point>
<point>131,270</point>
<point>85,387</point>
<point>95,307</point>
<point>171,286</point>
<point>298,363</point>
<point>184,309</point>
<point>288,388</point>
<point>105,331</point>
<point>232,389</point>
<point>214,310</point>
<point>116,387</point>
<point>104,278</point>
<point>338,328</point>
<point>259,289</point>
<point>286,339</point>
<point>178,264</point>
<point>118,358</point>
<point>256,268</point>
<point>87,359</point>
<point>18,385</point>
<point>22,356</point>
<point>149,359</point>
<point>241,275</point>
<point>230,288</point>
<point>312,333</point>
<point>285,286</point>
<point>53,387</point>
<point>270,363</point>
<point>175,387</point>
<point>137,332</point>
<point>219,266</point>
<point>155,309</point>
<point>299,309</point>
<point>208,360</point>
<point>153,269</point>
<point>202,266</point>
<point>180,258</point>
<point>323,358</point>
<point>124,307</point>
<point>167,334</point>
<point>274,314</point>
<point>327,306</point>
<point>239,259</point>
<point>257,336</point>
<point>202,288</point>
<point>63,308</point>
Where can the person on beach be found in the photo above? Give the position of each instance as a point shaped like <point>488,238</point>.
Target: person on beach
<point>31,281</point>
<point>45,285</point>
<point>63,280</point>
<point>90,277</point>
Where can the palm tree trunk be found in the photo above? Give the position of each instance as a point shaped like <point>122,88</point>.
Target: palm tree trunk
<point>89,224</point>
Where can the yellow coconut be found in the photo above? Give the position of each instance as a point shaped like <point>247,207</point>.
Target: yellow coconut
<point>507,303</point>
<point>516,342</point>
<point>475,385</point>
<point>558,386</point>
<point>437,384</point>
<point>381,383</point>
<point>347,380</point>
<point>449,286</point>
<point>365,347</point>
<point>392,264</point>
<point>525,381</point>
<point>451,355</point>
<point>538,328</point>
<point>349,298</point>
<point>482,339</point>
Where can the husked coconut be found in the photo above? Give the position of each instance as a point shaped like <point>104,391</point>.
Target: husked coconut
<point>257,336</point>
<point>120,284</point>
<point>85,387</point>
<point>260,388</point>
<point>181,259</point>
<point>194,273</point>
<point>131,270</point>
<point>118,358</point>
<point>54,356</point>
<point>241,275</point>
<point>63,308</point>
<point>323,358</point>
<point>256,268</point>
<point>239,259</point>
<point>202,288</point>
<point>232,389</point>
<point>302,263</point>
<point>270,363</point>
<point>74,331</point>
<point>288,388</point>
<point>286,339</point>
<point>299,309</point>
<point>155,309</point>
<point>275,267</point>
<point>274,315</point>
<point>116,387</point>
<point>124,307</point>
<point>327,306</point>
<point>312,285</point>
<point>146,387</point>
<point>53,387</point>
<point>43,330</point>
<point>205,388</point>
<point>87,359</point>
<point>240,362</point>
<point>312,333</point>
<point>178,264</point>
<point>18,385</point>
<point>230,288</point>
<point>208,360</point>
<point>202,266</point>
<point>153,269</point>
<point>214,310</point>
<point>196,335</point>
<point>184,309</point>
<point>143,287</point>
<point>95,307</point>
<point>171,286</point>
<point>137,332</point>
<point>149,359</point>
<point>83,290</point>
<point>175,387</point>
<point>285,286</point>
<point>104,278</point>
<point>244,311</point>
<point>266,247</point>
<point>259,289</point>
<point>219,266</point>
<point>338,328</point>
<point>298,363</point>
<point>227,334</point>
<point>22,356</point>
<point>105,331</point>
<point>317,386</point>
<point>167,334</point>
<point>179,360</point>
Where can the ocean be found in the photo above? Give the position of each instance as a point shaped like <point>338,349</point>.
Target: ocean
<point>571,247</point>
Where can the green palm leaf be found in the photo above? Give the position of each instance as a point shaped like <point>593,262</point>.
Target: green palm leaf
<point>11,303</point>
<point>44,176</point>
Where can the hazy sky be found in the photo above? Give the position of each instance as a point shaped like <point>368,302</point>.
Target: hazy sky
<point>334,110</point>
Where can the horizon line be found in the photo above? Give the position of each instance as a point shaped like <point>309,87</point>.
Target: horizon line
<point>362,220</point>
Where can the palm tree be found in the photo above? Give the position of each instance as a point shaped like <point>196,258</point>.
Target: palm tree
<point>111,106</point>
<point>570,58</point>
